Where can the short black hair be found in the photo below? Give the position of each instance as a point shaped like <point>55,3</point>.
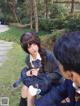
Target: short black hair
<point>67,51</point>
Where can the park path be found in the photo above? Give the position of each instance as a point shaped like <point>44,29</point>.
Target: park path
<point>3,28</point>
<point>5,46</point>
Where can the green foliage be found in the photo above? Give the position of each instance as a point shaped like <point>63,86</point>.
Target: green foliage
<point>49,40</point>
<point>22,12</point>
<point>56,18</point>
<point>58,11</point>
<point>40,7</point>
<point>45,25</point>
<point>51,24</point>
<point>57,14</point>
<point>3,7</point>
<point>72,22</point>
<point>7,14</point>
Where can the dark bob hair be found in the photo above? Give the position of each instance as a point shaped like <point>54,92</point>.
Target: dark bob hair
<point>29,38</point>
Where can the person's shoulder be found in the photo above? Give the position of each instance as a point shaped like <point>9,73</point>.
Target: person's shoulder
<point>50,54</point>
<point>51,57</point>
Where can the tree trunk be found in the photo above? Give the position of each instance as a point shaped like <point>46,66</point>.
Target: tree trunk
<point>12,5</point>
<point>72,6</point>
<point>36,16</point>
<point>46,3</point>
<point>14,14</point>
<point>31,22</point>
<point>29,4</point>
<point>31,14</point>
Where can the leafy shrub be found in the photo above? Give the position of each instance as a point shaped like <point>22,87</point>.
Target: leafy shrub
<point>49,40</point>
<point>51,24</point>
<point>58,11</point>
<point>55,20</point>
<point>72,22</point>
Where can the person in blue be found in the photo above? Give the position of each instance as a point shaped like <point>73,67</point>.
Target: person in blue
<point>67,52</point>
<point>41,71</point>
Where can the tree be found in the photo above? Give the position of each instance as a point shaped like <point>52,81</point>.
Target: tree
<point>36,15</point>
<point>12,4</point>
<point>31,13</point>
<point>72,6</point>
<point>46,8</point>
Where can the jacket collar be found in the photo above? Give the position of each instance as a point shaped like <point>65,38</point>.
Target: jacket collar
<point>76,88</point>
<point>37,57</point>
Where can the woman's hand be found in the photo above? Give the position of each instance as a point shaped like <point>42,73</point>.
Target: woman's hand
<point>32,72</point>
<point>29,73</point>
<point>35,72</point>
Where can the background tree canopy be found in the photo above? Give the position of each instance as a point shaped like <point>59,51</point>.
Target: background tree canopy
<point>44,15</point>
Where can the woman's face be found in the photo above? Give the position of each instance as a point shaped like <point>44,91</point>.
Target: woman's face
<point>33,49</point>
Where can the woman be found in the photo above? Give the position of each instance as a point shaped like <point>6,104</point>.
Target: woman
<point>41,70</point>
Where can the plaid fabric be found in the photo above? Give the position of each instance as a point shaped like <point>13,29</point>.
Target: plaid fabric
<point>37,63</point>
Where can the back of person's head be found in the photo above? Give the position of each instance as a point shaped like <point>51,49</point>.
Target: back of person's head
<point>67,51</point>
<point>29,38</point>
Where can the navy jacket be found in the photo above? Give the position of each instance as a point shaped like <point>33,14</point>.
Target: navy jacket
<point>48,76</point>
<point>57,94</point>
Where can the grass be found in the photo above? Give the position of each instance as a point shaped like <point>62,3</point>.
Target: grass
<point>13,34</point>
<point>9,72</point>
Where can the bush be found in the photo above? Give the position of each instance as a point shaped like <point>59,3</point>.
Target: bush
<point>55,20</point>
<point>51,38</point>
<point>46,25</point>
<point>25,20</point>
<point>51,24</point>
<point>72,22</point>
<point>58,11</point>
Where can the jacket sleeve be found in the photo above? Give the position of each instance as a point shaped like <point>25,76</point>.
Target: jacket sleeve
<point>23,74</point>
<point>56,95</point>
<point>53,97</point>
<point>52,69</point>
<point>47,80</point>
<point>55,77</point>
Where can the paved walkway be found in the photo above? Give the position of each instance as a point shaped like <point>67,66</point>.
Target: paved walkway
<point>4,46</point>
<point>3,28</point>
